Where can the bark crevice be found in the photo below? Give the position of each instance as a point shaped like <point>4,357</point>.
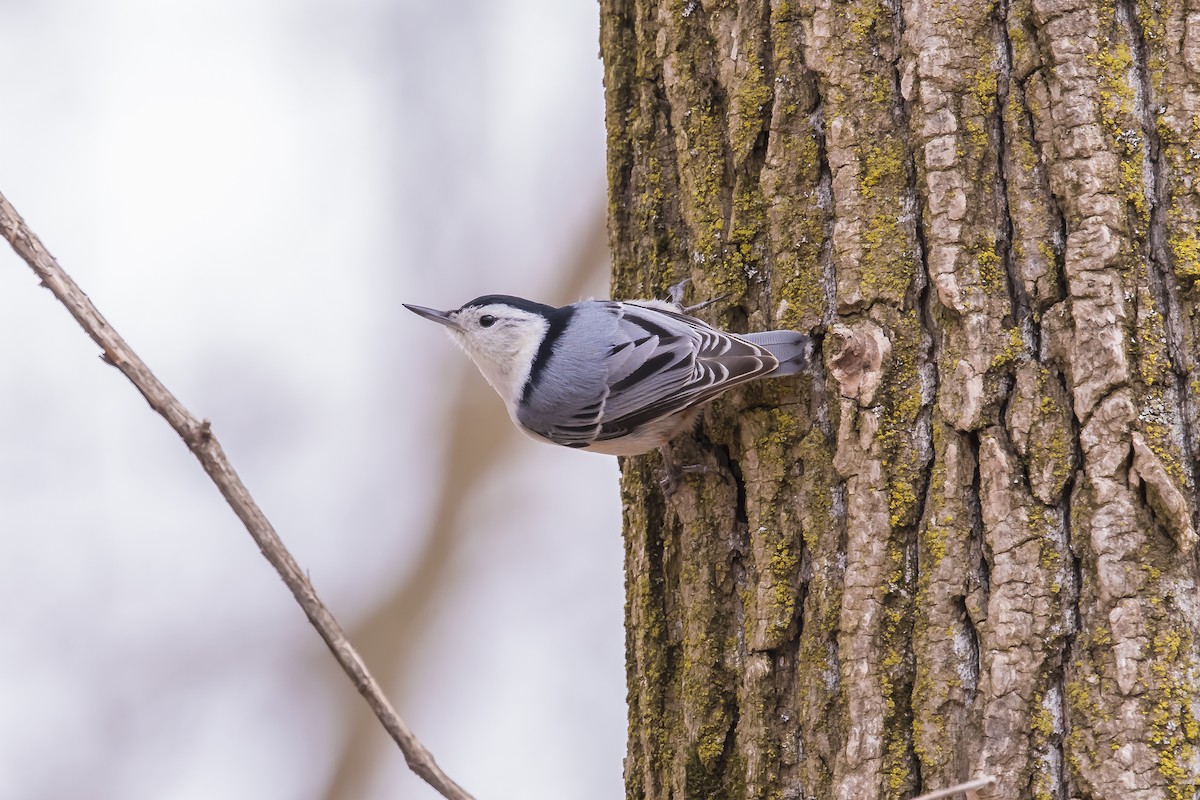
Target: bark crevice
<point>1022,307</point>
<point>1162,282</point>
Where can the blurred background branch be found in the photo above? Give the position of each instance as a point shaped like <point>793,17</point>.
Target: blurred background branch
<point>199,439</point>
<point>474,447</point>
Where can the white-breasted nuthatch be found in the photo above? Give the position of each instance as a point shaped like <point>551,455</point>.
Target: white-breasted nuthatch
<point>612,377</point>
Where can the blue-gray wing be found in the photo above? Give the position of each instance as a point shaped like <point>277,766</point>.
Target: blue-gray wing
<point>656,363</point>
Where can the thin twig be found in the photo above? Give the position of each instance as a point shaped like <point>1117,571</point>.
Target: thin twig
<point>970,787</point>
<point>198,436</point>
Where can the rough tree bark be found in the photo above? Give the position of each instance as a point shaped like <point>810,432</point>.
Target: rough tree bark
<point>967,544</point>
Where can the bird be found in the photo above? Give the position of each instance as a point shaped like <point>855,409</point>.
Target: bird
<point>607,376</point>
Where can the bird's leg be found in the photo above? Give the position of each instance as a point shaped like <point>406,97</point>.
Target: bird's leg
<point>675,295</point>
<point>675,291</point>
<point>671,472</point>
<point>672,478</point>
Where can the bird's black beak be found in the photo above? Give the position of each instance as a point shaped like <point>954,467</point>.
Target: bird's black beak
<point>440,317</point>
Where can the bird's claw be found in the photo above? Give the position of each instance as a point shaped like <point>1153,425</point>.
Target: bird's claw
<point>675,295</point>
<point>672,478</point>
<point>705,304</point>
<point>675,291</point>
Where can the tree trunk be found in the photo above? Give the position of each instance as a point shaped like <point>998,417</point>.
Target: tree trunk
<point>966,544</point>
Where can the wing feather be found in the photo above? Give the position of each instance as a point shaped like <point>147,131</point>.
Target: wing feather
<point>657,364</point>
<point>689,364</point>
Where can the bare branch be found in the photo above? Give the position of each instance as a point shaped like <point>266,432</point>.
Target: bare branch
<point>197,435</point>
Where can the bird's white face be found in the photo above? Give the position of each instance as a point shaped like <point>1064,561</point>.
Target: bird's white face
<point>500,339</point>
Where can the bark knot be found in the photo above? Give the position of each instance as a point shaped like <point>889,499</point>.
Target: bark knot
<point>857,361</point>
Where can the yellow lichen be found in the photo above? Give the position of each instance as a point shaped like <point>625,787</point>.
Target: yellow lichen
<point>1186,250</point>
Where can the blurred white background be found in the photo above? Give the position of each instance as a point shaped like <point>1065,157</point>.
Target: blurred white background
<point>248,191</point>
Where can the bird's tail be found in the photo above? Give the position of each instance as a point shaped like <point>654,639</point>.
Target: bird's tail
<point>793,349</point>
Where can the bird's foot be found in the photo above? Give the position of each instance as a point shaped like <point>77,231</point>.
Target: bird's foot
<point>705,304</point>
<point>672,479</point>
<point>675,295</point>
<point>675,291</point>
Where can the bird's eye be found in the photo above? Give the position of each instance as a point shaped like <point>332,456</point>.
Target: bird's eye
<point>487,321</point>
